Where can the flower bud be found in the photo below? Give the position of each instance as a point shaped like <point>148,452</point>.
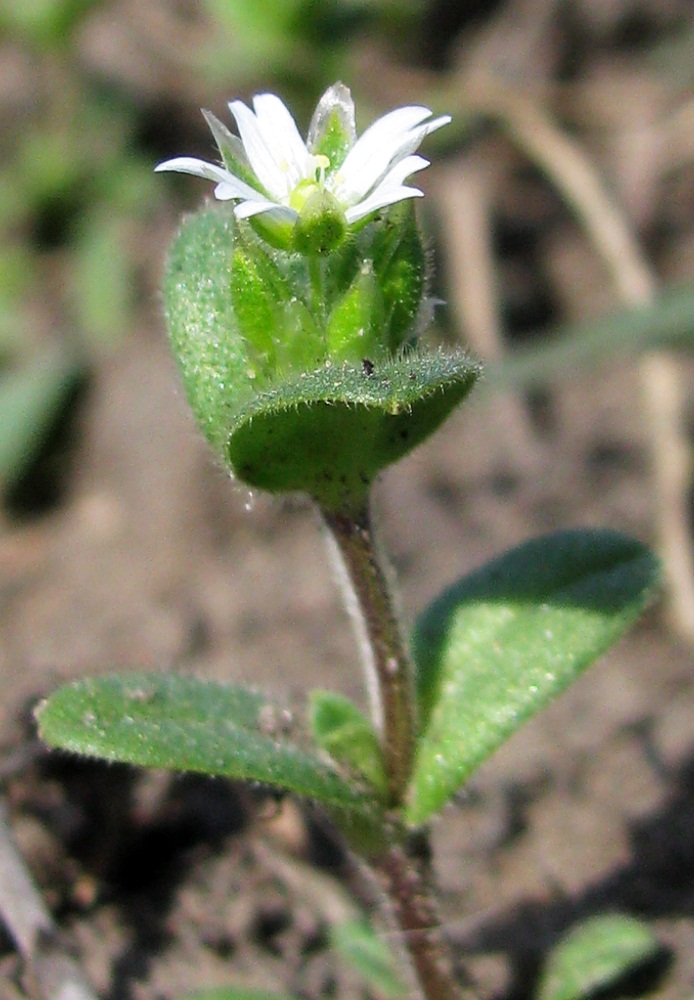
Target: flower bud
<point>321,225</point>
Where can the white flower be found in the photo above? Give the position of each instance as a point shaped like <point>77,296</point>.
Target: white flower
<point>271,172</point>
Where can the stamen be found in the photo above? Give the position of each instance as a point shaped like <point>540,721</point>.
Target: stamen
<point>320,165</point>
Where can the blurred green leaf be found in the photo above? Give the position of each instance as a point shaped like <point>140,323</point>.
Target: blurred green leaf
<point>259,21</point>
<point>17,272</point>
<point>368,953</point>
<point>30,400</point>
<point>499,644</point>
<point>596,954</point>
<point>237,993</point>
<point>186,724</point>
<point>669,321</point>
<point>13,204</point>
<point>103,278</point>
<point>43,22</point>
<point>260,34</point>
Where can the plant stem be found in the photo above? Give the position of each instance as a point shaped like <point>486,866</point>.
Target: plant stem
<point>403,875</point>
<point>416,914</point>
<point>382,644</point>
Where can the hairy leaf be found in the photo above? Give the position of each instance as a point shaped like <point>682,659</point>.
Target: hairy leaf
<point>500,644</point>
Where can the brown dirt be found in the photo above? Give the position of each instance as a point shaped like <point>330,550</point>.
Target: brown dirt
<point>153,559</point>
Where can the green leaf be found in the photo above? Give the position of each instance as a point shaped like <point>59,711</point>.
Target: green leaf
<point>359,944</point>
<point>500,644</point>
<point>103,279</point>
<point>30,400</point>
<point>210,349</point>
<point>596,954</point>
<point>342,731</point>
<point>329,432</point>
<point>186,724</point>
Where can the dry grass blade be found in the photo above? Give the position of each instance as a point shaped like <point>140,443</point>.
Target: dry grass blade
<point>570,170</point>
<point>55,974</point>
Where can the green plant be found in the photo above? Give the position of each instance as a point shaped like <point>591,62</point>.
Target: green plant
<point>296,321</point>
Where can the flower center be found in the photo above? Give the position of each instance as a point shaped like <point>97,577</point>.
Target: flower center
<point>301,193</point>
<point>312,183</point>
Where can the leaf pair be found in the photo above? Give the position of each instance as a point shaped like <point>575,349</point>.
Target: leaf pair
<point>490,652</point>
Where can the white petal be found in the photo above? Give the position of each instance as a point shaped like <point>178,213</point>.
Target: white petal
<point>401,170</point>
<point>224,191</point>
<point>210,172</point>
<point>437,123</point>
<point>282,135</point>
<point>375,150</point>
<point>417,135</point>
<point>382,146</point>
<point>380,199</point>
<point>189,165</point>
<point>249,208</point>
<point>390,190</point>
<point>260,157</point>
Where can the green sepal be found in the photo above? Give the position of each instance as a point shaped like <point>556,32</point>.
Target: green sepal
<point>187,724</point>
<point>400,267</point>
<point>233,153</point>
<point>354,331</point>
<point>332,132</point>
<point>257,293</point>
<point>341,730</point>
<point>329,432</point>
<point>275,227</point>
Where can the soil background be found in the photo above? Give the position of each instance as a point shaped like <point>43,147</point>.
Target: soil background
<point>147,557</point>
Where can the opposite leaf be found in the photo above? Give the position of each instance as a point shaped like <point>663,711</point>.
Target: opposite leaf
<point>498,645</point>
<point>168,721</point>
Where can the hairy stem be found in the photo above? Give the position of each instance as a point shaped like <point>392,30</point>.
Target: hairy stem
<point>370,602</point>
<point>390,676</point>
<point>416,914</point>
